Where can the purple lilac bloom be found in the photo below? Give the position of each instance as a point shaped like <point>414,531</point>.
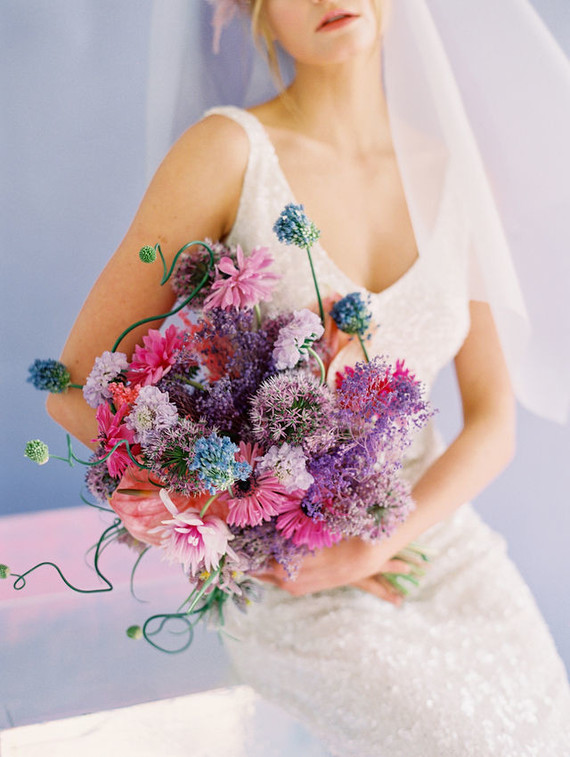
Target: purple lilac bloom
<point>105,369</point>
<point>259,545</point>
<point>293,407</point>
<point>152,412</point>
<point>98,480</point>
<point>295,337</point>
<point>49,376</point>
<point>351,314</point>
<point>214,461</point>
<point>294,227</point>
<point>192,267</point>
<point>289,466</point>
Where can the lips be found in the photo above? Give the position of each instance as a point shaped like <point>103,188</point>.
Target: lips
<point>335,17</point>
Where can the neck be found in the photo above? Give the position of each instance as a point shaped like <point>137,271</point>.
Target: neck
<point>343,103</point>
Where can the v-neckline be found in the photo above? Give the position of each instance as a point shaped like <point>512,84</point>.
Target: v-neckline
<point>318,247</point>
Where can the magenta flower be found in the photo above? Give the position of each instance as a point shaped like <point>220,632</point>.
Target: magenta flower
<point>153,361</point>
<point>296,525</point>
<point>113,430</point>
<point>246,284</point>
<point>197,542</point>
<point>259,497</point>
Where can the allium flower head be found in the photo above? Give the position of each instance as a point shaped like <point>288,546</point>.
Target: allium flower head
<point>98,480</point>
<point>152,412</point>
<point>197,542</point>
<point>246,284</point>
<point>295,337</point>
<point>49,376</point>
<point>293,407</point>
<point>105,369</point>
<point>147,254</point>
<point>351,314</point>
<point>37,451</point>
<point>215,463</point>
<point>293,227</point>
<point>289,466</point>
<point>171,452</point>
<point>151,362</point>
<point>259,496</point>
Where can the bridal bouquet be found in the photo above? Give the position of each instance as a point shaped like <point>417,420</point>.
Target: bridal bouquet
<point>225,443</point>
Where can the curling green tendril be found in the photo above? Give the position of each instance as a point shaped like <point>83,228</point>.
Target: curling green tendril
<point>166,275</point>
<point>108,533</point>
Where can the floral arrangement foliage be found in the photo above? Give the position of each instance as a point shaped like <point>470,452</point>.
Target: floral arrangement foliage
<point>224,443</point>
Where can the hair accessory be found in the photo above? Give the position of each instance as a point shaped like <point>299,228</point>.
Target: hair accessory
<point>224,12</point>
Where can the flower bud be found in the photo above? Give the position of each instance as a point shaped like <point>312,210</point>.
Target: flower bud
<point>37,451</point>
<point>134,632</point>
<point>49,376</point>
<point>147,254</point>
<point>4,571</point>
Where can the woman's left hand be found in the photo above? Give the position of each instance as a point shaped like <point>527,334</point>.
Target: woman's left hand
<point>352,562</point>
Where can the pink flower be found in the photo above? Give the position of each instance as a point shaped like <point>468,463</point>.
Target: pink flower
<point>246,285</point>
<point>153,361</point>
<point>297,526</point>
<point>138,504</point>
<point>197,542</point>
<point>259,497</point>
<point>113,430</point>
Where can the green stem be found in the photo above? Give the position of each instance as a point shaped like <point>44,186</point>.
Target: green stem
<point>184,302</point>
<point>189,381</point>
<point>257,311</point>
<point>363,348</point>
<point>200,593</point>
<point>321,309</point>
<point>312,352</point>
<point>207,505</point>
<point>75,386</point>
<point>71,457</point>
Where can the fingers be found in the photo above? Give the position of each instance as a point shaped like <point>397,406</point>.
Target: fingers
<point>396,566</point>
<point>381,588</point>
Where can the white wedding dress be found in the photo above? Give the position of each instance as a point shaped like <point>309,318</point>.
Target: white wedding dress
<point>466,667</point>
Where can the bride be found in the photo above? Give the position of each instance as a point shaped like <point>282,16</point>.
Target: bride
<point>465,665</point>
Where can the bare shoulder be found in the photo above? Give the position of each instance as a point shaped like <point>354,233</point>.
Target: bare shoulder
<point>202,176</point>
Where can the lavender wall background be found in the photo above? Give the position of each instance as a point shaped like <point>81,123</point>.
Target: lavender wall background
<point>72,83</point>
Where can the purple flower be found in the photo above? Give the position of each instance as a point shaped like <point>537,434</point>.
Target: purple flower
<point>98,479</point>
<point>295,408</point>
<point>105,369</point>
<point>289,466</point>
<point>170,453</point>
<point>192,267</point>
<point>152,411</point>
<point>295,337</point>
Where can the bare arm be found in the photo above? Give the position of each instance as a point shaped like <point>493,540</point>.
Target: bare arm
<point>194,194</point>
<point>481,450</point>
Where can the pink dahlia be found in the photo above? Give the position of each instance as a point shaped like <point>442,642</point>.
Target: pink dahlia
<point>151,362</point>
<point>260,496</point>
<point>246,284</point>
<point>296,525</point>
<point>111,431</point>
<point>197,542</point>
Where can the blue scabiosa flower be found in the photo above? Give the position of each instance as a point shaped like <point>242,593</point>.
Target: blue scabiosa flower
<point>294,227</point>
<point>49,376</point>
<point>37,451</point>
<point>215,463</point>
<point>351,314</point>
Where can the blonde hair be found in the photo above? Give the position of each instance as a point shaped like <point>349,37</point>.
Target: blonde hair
<point>263,37</point>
